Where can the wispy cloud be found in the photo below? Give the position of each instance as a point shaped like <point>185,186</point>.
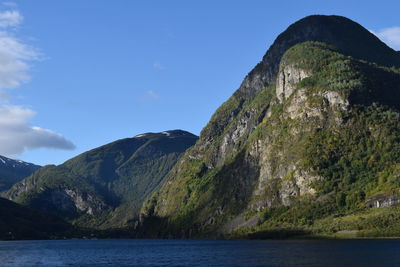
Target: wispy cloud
<point>14,61</point>
<point>14,54</point>
<point>149,97</point>
<point>391,36</point>
<point>10,4</point>
<point>16,133</point>
<point>10,18</point>
<point>158,65</point>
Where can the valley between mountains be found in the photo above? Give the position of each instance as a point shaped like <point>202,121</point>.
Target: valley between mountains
<point>309,145</point>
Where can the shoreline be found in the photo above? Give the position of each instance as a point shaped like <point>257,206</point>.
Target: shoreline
<point>307,237</point>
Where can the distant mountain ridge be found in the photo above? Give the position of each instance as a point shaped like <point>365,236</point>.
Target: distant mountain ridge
<point>12,171</point>
<point>106,186</point>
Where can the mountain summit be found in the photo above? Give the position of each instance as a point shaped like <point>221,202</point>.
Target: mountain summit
<point>309,144</point>
<point>347,36</point>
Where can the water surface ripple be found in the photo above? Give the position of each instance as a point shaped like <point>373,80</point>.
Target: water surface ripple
<point>124,252</point>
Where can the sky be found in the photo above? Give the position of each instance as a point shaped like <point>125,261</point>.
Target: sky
<point>75,74</point>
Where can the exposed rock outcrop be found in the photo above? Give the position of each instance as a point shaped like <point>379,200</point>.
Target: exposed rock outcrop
<point>288,77</point>
<point>383,201</point>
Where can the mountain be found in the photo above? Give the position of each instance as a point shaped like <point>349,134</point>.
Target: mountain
<point>19,222</point>
<point>104,187</point>
<point>13,171</point>
<point>309,144</point>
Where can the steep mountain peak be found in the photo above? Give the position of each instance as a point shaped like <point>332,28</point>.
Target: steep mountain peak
<point>339,33</point>
<point>347,36</point>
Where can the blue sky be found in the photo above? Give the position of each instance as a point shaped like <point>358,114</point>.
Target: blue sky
<point>75,75</point>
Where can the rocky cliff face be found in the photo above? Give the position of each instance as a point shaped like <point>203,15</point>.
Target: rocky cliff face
<point>69,202</point>
<point>334,30</point>
<point>287,80</point>
<point>286,136</point>
<point>383,201</point>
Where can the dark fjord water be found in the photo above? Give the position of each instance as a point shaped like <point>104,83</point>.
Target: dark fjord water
<point>200,253</point>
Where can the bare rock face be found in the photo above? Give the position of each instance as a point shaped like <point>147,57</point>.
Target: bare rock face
<point>243,127</point>
<point>300,105</point>
<point>383,201</point>
<point>281,181</point>
<point>86,203</point>
<point>69,202</point>
<point>288,77</point>
<point>333,98</point>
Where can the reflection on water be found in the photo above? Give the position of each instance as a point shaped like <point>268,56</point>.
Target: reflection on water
<point>200,253</point>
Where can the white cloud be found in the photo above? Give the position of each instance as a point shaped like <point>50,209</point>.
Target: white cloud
<point>17,135</point>
<point>14,58</point>
<point>10,18</point>
<point>149,96</point>
<point>391,36</point>
<point>15,55</point>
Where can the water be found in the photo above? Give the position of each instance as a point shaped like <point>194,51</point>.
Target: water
<point>200,253</point>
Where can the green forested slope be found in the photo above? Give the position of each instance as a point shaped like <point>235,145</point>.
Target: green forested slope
<point>104,187</point>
